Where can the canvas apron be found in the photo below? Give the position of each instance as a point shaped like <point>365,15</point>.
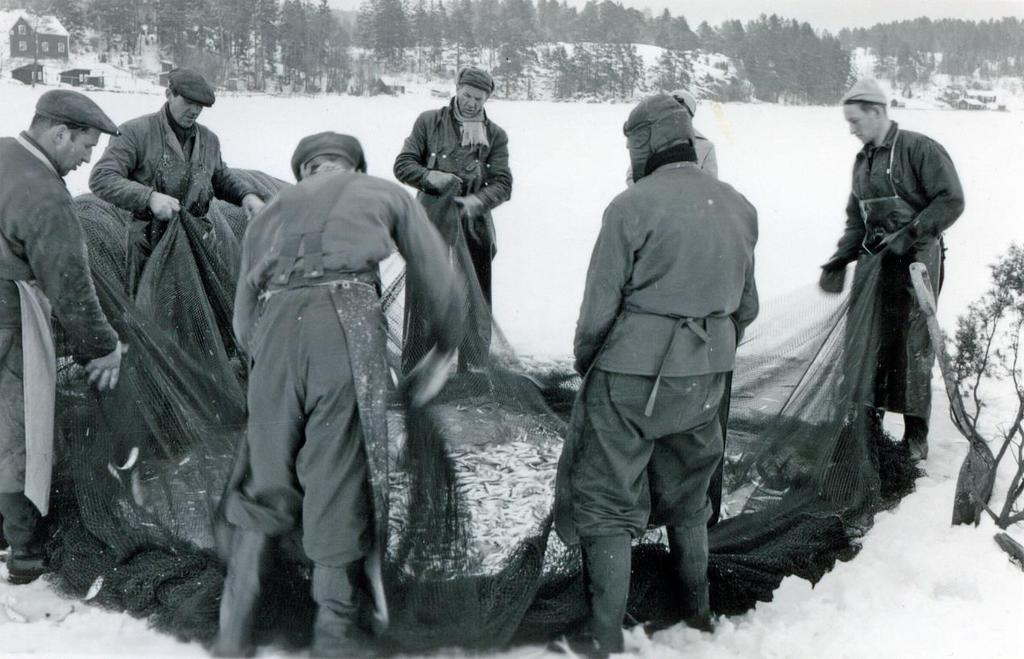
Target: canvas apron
<point>903,380</point>
<point>39,377</point>
<point>565,524</point>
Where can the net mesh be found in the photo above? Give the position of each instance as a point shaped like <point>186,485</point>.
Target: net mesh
<point>472,560</point>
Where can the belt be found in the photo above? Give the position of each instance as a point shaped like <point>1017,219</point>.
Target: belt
<point>344,281</point>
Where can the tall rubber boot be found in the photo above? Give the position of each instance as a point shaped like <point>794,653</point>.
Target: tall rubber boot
<point>607,561</point>
<point>336,631</point>
<point>246,565</point>
<point>689,549</point>
<point>915,434</point>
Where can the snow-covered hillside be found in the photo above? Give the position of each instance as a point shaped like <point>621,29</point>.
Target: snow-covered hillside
<point>918,589</point>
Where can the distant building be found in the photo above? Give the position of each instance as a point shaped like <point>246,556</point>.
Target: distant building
<point>970,104</point>
<point>75,77</point>
<point>28,36</point>
<point>28,74</point>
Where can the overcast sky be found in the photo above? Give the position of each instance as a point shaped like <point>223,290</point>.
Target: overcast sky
<point>824,14</point>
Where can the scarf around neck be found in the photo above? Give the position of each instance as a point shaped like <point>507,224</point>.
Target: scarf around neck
<point>474,133</point>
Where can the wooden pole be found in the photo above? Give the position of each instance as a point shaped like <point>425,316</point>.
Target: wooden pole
<point>977,473</point>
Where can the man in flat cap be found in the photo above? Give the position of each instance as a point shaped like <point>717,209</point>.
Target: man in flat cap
<point>905,194</point>
<point>164,163</point>
<point>668,294</point>
<point>458,160</point>
<point>707,159</point>
<point>307,310</point>
<point>44,268</point>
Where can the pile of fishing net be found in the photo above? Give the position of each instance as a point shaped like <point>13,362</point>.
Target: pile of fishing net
<point>472,560</point>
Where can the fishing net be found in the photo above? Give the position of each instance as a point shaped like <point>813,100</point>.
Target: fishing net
<point>472,559</point>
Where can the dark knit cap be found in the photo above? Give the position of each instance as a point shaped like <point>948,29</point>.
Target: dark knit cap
<point>475,77</point>
<point>668,121</point>
<point>192,85</point>
<point>328,143</point>
<point>74,109</point>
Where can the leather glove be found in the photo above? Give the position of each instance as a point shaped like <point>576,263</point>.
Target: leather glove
<point>833,276</point>
<point>902,241</point>
<point>470,206</point>
<point>439,181</point>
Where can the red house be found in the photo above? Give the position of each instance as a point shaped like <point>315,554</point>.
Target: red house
<point>34,37</point>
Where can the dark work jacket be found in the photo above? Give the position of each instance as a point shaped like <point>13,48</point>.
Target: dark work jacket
<point>364,218</point>
<point>42,240</point>
<point>923,175</point>
<point>436,144</point>
<point>678,244</point>
<point>147,157</point>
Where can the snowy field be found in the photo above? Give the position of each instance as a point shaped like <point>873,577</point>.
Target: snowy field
<point>918,589</point>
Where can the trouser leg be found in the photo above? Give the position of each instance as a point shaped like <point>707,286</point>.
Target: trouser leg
<point>607,562</point>
<point>20,522</point>
<point>689,549</point>
<point>476,345</point>
<point>336,631</point>
<point>915,434</point>
<point>246,566</point>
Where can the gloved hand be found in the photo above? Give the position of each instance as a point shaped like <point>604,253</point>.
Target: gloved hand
<point>900,242</point>
<point>470,206</point>
<point>439,181</point>
<point>833,276</point>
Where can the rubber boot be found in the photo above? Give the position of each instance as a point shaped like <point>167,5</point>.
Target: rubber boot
<point>689,549</point>
<point>607,561</point>
<point>915,434</point>
<point>247,563</point>
<point>336,631</point>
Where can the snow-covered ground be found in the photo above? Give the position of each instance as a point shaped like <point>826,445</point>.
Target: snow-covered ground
<point>918,589</point>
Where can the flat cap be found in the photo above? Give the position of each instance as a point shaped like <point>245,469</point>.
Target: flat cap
<point>192,85</point>
<point>476,77</point>
<point>327,143</point>
<point>688,100</point>
<point>865,90</point>
<point>74,109</point>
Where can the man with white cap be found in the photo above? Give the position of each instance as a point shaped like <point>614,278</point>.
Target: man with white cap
<point>308,312</point>
<point>905,194</point>
<point>44,267</point>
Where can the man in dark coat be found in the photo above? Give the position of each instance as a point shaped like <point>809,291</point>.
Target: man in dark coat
<point>165,162</point>
<point>307,310</point>
<point>458,151</point>
<point>905,194</point>
<point>43,267</point>
<point>669,291</point>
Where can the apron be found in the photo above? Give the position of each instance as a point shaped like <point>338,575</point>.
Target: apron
<point>39,368</point>
<point>905,353</point>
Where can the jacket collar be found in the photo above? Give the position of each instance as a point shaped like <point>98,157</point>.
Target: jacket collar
<point>890,138</point>
<point>171,140</point>
<point>30,145</point>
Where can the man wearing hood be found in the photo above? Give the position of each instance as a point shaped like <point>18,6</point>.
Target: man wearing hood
<point>668,294</point>
<point>308,312</point>
<point>905,193</point>
<point>458,160</point>
<point>165,162</point>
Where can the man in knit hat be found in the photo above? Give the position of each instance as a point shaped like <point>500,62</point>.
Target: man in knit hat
<point>43,268</point>
<point>905,194</point>
<point>308,312</point>
<point>669,292</point>
<point>458,160</point>
<point>165,162</point>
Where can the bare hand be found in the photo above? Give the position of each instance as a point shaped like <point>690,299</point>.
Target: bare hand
<point>163,206</point>
<point>105,371</point>
<point>252,205</point>
<point>440,181</point>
